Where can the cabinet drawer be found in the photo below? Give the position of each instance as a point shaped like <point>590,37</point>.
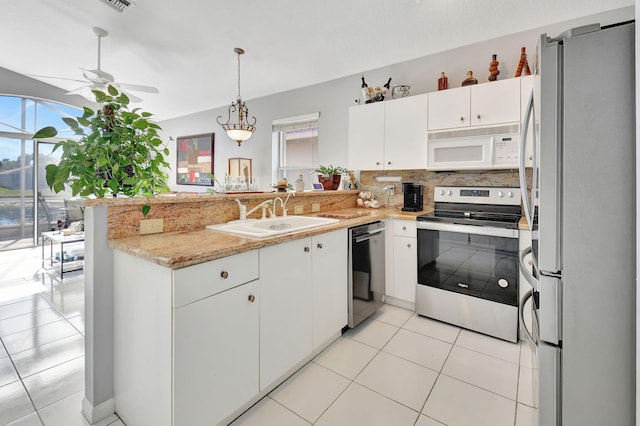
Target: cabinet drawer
<point>404,228</point>
<point>206,279</point>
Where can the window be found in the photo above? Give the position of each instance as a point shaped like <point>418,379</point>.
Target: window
<point>295,147</point>
<point>25,212</point>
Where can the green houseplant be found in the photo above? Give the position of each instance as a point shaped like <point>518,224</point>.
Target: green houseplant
<point>329,176</point>
<point>118,151</point>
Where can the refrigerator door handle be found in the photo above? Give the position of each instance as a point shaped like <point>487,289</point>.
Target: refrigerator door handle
<point>522,170</point>
<point>528,276</point>
<point>528,295</point>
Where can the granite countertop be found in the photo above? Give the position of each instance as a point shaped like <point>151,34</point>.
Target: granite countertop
<point>177,250</point>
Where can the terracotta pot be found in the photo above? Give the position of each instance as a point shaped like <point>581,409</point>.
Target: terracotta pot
<point>329,182</point>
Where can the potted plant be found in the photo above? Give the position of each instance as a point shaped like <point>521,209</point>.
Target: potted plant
<point>329,176</point>
<point>118,151</point>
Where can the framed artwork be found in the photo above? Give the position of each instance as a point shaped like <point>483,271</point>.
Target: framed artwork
<point>240,167</point>
<point>195,160</point>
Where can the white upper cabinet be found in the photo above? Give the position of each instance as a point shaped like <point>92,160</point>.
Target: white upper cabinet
<point>449,108</point>
<point>478,105</point>
<point>366,137</point>
<point>389,135</point>
<point>405,133</point>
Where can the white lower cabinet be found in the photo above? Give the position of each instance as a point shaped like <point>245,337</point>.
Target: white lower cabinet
<point>402,262</point>
<point>216,355</point>
<point>198,345</point>
<point>330,292</point>
<point>285,308</point>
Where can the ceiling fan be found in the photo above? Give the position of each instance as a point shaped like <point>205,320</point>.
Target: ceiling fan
<point>98,79</point>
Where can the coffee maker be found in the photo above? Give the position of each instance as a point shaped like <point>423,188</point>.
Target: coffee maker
<point>412,197</point>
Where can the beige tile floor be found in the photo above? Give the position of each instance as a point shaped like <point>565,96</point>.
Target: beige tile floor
<point>396,368</point>
<point>42,344</point>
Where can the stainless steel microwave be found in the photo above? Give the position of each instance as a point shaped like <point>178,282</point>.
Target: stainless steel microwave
<point>474,149</point>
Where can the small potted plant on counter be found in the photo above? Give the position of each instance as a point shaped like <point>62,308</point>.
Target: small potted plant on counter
<point>329,176</point>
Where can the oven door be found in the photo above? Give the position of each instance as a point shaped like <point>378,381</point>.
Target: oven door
<point>468,276</point>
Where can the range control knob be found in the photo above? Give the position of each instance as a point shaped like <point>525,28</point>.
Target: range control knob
<point>510,194</point>
<point>442,192</point>
<point>450,193</point>
<point>500,194</point>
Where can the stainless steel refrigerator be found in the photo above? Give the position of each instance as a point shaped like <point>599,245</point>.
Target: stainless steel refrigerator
<point>581,212</point>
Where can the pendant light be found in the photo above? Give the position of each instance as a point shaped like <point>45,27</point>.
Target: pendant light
<point>242,130</point>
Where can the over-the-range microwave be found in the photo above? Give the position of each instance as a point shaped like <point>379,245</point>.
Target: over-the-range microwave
<point>474,149</point>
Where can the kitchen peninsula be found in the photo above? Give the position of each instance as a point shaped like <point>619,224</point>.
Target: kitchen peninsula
<point>145,292</point>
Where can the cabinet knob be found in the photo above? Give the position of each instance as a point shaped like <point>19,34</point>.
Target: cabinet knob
<point>306,249</point>
<point>478,116</point>
<point>461,118</point>
<point>377,163</point>
<point>319,245</point>
<point>388,162</point>
<point>224,274</point>
<point>251,298</point>
<point>404,227</point>
<point>408,245</point>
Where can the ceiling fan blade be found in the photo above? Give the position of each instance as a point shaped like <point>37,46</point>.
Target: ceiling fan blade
<point>138,88</point>
<point>56,78</point>
<point>84,91</point>
<point>101,76</point>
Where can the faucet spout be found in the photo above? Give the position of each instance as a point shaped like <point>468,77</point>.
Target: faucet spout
<point>262,204</point>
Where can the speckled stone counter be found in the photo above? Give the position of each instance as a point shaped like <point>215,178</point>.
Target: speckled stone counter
<point>176,250</point>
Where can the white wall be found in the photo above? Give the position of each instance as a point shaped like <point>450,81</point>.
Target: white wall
<point>333,98</point>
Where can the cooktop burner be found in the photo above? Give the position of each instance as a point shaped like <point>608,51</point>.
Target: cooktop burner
<point>479,206</point>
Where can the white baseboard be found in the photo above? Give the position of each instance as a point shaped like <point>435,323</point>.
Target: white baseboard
<point>99,412</point>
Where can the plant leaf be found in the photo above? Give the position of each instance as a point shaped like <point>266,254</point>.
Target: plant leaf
<point>113,91</point>
<point>45,132</point>
<point>145,210</point>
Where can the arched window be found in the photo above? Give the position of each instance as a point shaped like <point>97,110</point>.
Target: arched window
<point>24,194</point>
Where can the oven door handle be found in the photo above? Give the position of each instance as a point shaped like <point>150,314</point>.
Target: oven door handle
<point>468,229</point>
<point>367,236</point>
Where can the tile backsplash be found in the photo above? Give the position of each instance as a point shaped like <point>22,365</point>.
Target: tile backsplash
<point>429,180</point>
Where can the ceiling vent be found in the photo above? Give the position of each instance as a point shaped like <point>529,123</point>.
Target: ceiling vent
<point>119,5</point>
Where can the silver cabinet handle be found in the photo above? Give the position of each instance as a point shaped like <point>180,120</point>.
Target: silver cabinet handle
<point>319,245</point>
<point>306,249</point>
<point>224,275</point>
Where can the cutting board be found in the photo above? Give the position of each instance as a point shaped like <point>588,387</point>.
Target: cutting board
<point>345,215</point>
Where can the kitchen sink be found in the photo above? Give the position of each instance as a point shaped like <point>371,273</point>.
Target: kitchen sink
<point>265,228</point>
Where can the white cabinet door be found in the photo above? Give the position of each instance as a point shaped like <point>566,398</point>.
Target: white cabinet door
<point>405,133</point>
<point>405,269</point>
<point>216,355</point>
<point>366,137</point>
<point>496,102</point>
<point>449,109</point>
<point>285,308</point>
<point>329,272</point>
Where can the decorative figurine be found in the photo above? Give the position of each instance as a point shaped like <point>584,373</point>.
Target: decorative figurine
<point>523,65</point>
<point>493,68</point>
<point>443,82</point>
<point>469,80</point>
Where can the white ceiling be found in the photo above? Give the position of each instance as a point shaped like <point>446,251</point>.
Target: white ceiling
<point>185,47</point>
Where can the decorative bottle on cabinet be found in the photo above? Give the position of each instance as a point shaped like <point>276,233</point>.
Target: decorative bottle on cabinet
<point>443,82</point>
<point>523,65</point>
<point>493,68</point>
<point>299,187</point>
<point>469,80</point>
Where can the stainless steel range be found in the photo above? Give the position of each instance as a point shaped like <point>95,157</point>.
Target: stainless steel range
<point>468,259</point>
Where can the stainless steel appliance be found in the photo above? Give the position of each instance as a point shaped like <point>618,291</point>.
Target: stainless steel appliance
<point>412,197</point>
<point>468,259</point>
<point>582,215</point>
<point>366,271</point>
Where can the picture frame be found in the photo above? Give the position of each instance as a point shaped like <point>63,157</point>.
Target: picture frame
<point>240,167</point>
<point>195,155</point>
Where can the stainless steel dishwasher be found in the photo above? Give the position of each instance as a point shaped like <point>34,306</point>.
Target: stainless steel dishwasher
<point>366,271</point>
